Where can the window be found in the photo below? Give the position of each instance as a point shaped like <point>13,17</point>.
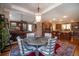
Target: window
<point>24,27</point>
<point>66,26</point>
<point>13,25</point>
<point>29,27</point>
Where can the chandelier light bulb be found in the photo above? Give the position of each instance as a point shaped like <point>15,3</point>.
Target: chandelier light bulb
<point>38,18</point>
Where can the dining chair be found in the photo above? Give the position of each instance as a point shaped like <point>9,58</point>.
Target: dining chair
<point>49,49</point>
<point>30,35</point>
<point>47,35</point>
<point>24,48</point>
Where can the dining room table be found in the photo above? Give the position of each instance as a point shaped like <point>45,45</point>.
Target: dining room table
<point>37,42</point>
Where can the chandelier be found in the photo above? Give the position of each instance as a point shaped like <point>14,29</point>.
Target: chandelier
<point>38,15</point>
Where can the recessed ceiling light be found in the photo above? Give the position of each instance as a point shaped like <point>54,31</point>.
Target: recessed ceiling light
<point>65,16</point>
<point>54,19</point>
<point>10,15</point>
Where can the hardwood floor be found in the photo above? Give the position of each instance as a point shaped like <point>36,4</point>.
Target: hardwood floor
<point>8,49</point>
<point>72,41</point>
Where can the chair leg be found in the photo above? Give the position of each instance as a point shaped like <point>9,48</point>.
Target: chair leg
<point>10,44</point>
<point>0,53</point>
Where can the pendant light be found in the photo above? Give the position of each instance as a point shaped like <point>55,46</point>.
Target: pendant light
<point>38,15</point>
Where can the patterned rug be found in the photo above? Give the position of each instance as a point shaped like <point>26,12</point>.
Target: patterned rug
<point>16,52</point>
<point>63,49</point>
<point>60,50</point>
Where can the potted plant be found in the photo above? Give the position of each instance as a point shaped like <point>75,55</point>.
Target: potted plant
<point>3,33</point>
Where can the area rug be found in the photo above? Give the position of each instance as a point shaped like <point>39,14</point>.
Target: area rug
<point>60,50</point>
<point>16,52</point>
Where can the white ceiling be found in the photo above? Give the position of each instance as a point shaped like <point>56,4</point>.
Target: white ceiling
<point>33,6</point>
<point>48,11</point>
<point>71,10</point>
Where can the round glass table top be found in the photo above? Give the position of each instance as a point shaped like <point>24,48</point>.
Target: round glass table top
<point>36,41</point>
